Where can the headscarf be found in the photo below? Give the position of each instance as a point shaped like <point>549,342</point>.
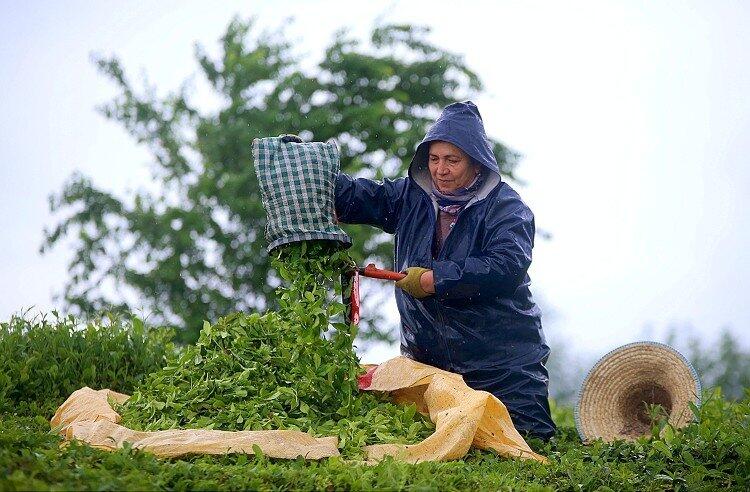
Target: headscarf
<point>455,201</point>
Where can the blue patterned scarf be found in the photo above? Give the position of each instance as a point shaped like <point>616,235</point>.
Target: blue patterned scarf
<point>452,203</point>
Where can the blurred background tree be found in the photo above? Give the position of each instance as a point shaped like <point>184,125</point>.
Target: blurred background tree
<point>194,249</point>
<point>724,363</point>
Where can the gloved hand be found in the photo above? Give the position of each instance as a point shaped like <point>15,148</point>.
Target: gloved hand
<point>410,283</point>
<point>290,138</point>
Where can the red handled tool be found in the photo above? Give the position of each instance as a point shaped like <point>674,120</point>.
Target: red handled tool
<point>350,283</point>
<point>374,272</point>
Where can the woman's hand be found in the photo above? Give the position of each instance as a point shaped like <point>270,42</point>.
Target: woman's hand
<point>427,282</point>
<point>418,282</point>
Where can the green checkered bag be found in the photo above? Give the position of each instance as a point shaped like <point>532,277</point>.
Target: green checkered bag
<point>297,183</point>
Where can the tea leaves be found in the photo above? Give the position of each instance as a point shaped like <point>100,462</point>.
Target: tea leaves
<point>31,458</point>
<point>293,368</point>
<point>45,358</point>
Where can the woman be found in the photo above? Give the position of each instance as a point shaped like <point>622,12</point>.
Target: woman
<point>464,237</point>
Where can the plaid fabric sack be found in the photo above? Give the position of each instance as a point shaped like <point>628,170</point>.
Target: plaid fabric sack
<point>297,183</point>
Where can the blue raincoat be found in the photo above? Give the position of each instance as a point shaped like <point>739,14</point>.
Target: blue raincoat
<point>482,322</point>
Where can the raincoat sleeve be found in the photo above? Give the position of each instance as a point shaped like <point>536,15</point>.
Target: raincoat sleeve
<point>501,265</point>
<point>363,201</point>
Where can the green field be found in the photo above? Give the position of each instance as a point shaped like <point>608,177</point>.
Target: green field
<point>42,361</point>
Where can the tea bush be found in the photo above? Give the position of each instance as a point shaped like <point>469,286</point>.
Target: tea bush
<point>45,358</point>
<point>710,454</point>
<point>294,368</point>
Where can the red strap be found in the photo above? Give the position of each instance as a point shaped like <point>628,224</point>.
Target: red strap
<point>365,380</point>
<point>354,300</point>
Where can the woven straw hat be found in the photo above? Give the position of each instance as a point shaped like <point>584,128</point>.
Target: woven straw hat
<point>612,400</point>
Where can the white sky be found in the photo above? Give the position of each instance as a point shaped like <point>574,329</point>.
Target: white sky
<point>633,117</point>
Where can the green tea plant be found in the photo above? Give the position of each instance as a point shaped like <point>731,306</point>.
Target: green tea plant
<point>713,453</point>
<point>45,358</point>
<point>294,368</point>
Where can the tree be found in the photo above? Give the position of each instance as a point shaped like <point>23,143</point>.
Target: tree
<point>195,250</point>
<point>722,364</point>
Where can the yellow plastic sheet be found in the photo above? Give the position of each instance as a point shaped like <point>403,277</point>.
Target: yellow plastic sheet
<point>463,418</point>
<point>87,416</point>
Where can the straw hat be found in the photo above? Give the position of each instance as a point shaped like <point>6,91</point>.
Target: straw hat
<point>612,400</point>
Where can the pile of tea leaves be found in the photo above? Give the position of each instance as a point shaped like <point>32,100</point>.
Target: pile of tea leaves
<point>293,368</point>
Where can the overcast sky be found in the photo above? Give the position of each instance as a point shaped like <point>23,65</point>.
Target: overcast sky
<point>633,119</point>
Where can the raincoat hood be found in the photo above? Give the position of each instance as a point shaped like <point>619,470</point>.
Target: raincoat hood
<point>461,125</point>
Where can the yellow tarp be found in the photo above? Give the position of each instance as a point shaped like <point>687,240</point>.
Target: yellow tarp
<point>463,418</point>
<point>88,417</point>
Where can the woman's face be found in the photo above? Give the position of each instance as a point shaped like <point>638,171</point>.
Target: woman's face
<point>450,167</point>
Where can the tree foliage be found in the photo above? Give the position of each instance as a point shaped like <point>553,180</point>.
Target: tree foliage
<point>195,250</point>
<point>724,364</point>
